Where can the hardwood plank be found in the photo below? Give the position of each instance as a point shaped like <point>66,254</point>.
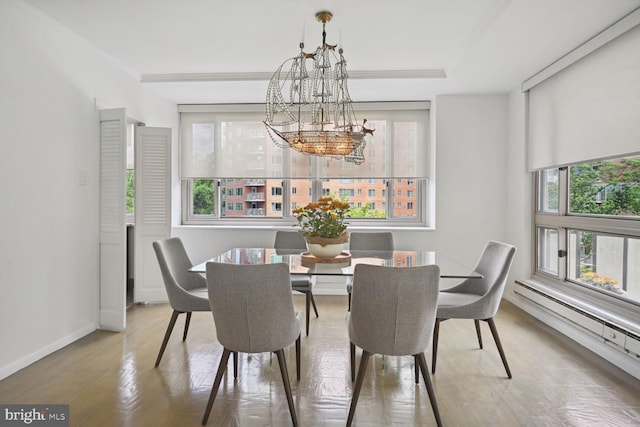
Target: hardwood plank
<point>108,378</point>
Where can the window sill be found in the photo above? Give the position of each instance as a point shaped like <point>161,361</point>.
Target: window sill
<point>274,227</point>
<point>621,313</point>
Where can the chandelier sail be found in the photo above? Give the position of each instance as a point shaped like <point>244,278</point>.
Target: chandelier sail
<point>313,113</point>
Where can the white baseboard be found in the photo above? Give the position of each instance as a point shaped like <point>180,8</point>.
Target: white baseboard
<point>27,360</point>
<point>586,339</point>
<point>330,286</point>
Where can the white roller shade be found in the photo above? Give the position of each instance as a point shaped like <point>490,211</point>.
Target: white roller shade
<point>589,110</point>
<point>231,142</point>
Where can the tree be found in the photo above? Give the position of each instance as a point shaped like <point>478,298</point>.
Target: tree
<point>130,191</point>
<point>618,181</point>
<point>203,197</point>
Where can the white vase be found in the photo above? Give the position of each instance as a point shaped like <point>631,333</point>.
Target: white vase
<point>326,251</point>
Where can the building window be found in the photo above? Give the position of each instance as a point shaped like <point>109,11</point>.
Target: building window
<point>221,141</point>
<point>588,226</point>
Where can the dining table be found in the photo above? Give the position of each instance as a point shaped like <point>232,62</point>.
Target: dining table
<point>304,264</point>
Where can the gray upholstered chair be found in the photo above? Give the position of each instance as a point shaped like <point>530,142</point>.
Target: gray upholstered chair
<point>393,313</point>
<point>253,312</point>
<point>478,299</point>
<point>292,242</point>
<point>361,243</point>
<point>187,291</point>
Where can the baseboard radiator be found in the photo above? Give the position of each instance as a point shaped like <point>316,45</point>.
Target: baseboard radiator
<point>612,333</point>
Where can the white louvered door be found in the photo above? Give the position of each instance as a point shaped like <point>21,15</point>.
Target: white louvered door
<point>113,270</point>
<point>153,209</point>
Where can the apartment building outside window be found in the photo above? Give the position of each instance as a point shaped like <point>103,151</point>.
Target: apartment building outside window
<point>216,144</point>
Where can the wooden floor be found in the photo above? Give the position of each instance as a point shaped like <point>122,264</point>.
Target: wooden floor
<point>108,379</point>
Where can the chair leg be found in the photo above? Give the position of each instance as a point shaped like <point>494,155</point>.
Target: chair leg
<point>434,345</point>
<point>308,307</point>
<point>186,326</point>
<point>427,380</point>
<point>356,389</point>
<point>298,358</point>
<point>313,302</point>
<point>352,352</point>
<point>416,369</point>
<point>287,385</point>
<point>349,306</point>
<point>235,364</point>
<point>477,322</point>
<point>167,334</point>
<point>216,384</point>
<point>496,338</point>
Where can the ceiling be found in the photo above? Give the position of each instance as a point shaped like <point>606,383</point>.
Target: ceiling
<point>221,51</point>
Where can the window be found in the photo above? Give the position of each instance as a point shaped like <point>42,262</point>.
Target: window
<point>221,141</point>
<point>590,237</point>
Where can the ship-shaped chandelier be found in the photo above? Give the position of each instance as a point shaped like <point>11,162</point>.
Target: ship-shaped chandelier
<point>313,113</point>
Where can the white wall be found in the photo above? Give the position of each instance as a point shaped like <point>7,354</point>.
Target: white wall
<point>50,81</point>
<point>519,192</point>
<point>471,141</point>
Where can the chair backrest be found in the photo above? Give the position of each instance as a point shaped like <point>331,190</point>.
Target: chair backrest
<point>364,243</point>
<point>174,265</point>
<point>252,306</point>
<point>376,241</point>
<point>289,240</point>
<point>494,264</point>
<point>393,309</point>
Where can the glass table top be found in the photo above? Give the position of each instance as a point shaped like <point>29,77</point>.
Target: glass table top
<point>304,264</point>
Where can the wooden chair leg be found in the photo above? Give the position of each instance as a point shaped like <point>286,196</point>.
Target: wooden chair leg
<point>186,326</point>
<point>356,389</point>
<point>477,322</point>
<point>427,380</point>
<point>235,364</point>
<point>349,306</point>
<point>313,302</point>
<point>416,369</point>
<point>216,384</point>
<point>434,345</point>
<point>496,338</point>
<point>308,307</point>
<point>298,358</point>
<point>352,352</point>
<point>287,385</point>
<point>167,334</point>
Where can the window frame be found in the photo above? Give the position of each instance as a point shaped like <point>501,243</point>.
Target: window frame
<point>424,187</point>
<point>216,219</point>
<point>563,221</point>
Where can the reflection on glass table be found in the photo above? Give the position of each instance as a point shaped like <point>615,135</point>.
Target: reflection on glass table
<point>300,263</point>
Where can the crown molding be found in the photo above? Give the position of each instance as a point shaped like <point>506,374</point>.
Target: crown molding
<point>265,76</point>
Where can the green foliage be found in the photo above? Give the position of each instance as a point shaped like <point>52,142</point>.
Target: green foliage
<point>365,212</point>
<point>130,191</point>
<point>203,197</point>
<point>620,179</point>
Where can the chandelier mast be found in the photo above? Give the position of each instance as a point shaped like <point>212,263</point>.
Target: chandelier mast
<point>313,114</point>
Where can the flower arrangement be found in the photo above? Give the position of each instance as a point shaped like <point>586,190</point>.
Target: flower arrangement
<point>323,222</point>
